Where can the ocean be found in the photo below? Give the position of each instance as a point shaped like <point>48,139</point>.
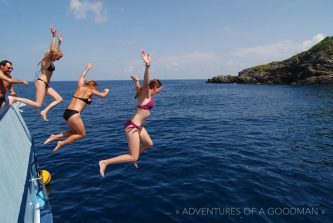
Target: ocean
<point>222,153</point>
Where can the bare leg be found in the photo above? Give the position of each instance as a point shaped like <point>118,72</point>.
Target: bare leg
<point>40,95</point>
<point>60,135</point>
<point>145,139</point>
<point>57,98</point>
<point>75,123</point>
<point>134,147</point>
<point>70,139</point>
<point>11,100</point>
<point>146,142</point>
<point>102,166</point>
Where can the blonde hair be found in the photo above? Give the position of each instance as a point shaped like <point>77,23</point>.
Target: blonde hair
<point>90,83</point>
<point>57,52</point>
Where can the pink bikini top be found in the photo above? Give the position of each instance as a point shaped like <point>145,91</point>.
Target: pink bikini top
<point>147,106</point>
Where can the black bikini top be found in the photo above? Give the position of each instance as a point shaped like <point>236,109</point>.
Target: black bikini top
<point>51,68</point>
<point>85,100</point>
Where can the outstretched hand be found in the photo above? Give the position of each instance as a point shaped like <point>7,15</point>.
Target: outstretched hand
<point>134,77</point>
<point>106,91</point>
<point>53,30</point>
<point>146,57</point>
<point>26,83</point>
<point>89,66</point>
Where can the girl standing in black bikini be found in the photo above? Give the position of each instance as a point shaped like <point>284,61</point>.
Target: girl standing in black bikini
<point>43,81</point>
<point>135,132</point>
<point>81,97</point>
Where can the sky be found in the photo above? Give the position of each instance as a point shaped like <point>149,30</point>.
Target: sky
<point>187,39</point>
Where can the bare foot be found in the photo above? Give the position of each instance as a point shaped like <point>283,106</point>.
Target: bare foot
<point>50,139</point>
<point>11,100</point>
<point>102,167</point>
<point>43,115</point>
<point>59,145</point>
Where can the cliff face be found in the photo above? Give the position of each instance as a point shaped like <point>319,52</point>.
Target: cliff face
<point>314,66</point>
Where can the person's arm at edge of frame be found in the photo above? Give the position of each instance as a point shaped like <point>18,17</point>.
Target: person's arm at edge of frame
<point>12,80</point>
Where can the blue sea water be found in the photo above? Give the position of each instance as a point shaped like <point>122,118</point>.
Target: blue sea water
<point>222,153</point>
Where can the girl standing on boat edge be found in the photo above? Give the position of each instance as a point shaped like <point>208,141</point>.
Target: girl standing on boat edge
<point>72,115</point>
<point>134,129</point>
<point>42,83</point>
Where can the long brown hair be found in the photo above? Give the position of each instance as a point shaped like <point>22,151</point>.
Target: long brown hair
<point>57,52</point>
<point>152,84</point>
<point>155,83</point>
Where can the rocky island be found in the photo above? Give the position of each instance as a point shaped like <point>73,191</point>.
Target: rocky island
<point>314,66</point>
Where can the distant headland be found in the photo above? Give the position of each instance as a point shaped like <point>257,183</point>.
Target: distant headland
<point>314,66</point>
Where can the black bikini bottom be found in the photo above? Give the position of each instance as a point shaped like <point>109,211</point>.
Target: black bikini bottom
<point>46,84</point>
<point>69,113</point>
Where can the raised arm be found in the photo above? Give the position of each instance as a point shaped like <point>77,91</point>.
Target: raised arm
<point>54,37</point>
<point>84,73</point>
<point>59,40</point>
<point>137,85</point>
<point>146,58</point>
<point>46,61</point>
<point>136,81</point>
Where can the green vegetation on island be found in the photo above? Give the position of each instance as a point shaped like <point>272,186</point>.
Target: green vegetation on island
<point>314,66</point>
